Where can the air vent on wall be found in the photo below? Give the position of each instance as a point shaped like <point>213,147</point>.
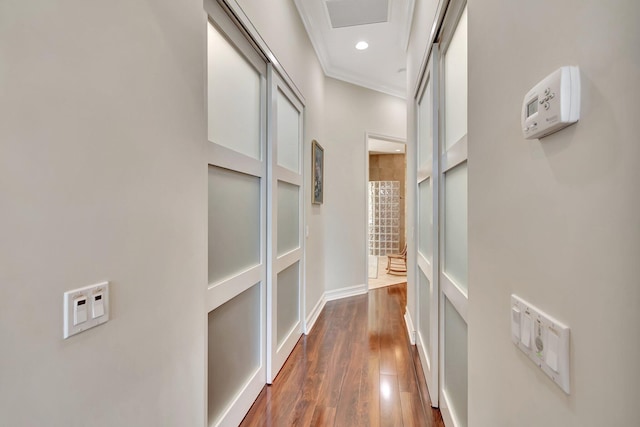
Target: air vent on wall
<point>348,13</point>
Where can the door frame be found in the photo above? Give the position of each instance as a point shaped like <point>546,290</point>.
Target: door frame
<point>367,136</point>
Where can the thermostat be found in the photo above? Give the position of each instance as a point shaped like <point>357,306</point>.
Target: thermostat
<point>552,104</point>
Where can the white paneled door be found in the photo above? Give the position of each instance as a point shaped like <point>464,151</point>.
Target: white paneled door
<point>453,275</point>
<point>428,215</point>
<point>255,173</point>
<point>441,172</point>
<point>284,293</point>
<point>237,167</point>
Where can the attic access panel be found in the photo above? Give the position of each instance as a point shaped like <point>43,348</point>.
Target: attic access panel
<point>348,13</point>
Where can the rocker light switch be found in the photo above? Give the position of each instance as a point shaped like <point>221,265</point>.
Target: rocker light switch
<point>85,308</point>
<point>97,305</point>
<point>79,310</point>
<point>553,344</point>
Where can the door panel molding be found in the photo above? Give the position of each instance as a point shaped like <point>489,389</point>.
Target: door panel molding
<point>455,155</point>
<point>226,289</point>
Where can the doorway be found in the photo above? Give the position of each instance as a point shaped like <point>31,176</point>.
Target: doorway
<point>386,211</point>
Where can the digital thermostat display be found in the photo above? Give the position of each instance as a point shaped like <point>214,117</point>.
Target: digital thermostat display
<point>532,107</point>
<point>552,104</point>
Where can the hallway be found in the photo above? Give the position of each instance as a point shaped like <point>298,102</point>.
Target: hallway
<point>354,369</point>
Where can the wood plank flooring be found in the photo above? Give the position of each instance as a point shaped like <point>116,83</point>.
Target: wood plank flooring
<point>355,368</point>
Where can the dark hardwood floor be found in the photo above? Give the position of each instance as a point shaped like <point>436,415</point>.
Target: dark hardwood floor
<point>355,368</point>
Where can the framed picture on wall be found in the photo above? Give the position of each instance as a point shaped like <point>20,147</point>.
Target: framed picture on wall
<point>317,167</point>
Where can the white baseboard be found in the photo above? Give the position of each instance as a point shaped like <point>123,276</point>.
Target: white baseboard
<point>410,329</point>
<point>313,316</point>
<point>447,415</point>
<point>349,291</point>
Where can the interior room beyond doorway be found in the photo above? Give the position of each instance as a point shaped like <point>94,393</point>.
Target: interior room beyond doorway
<point>386,212</point>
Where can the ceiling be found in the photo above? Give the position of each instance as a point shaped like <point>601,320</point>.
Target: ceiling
<point>335,26</point>
<point>381,146</point>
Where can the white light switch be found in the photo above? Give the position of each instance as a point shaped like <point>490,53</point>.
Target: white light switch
<point>551,357</point>
<point>85,308</point>
<point>543,339</point>
<point>79,310</point>
<point>97,305</point>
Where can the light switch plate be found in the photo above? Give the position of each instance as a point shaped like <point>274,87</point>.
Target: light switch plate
<point>89,292</point>
<point>545,333</point>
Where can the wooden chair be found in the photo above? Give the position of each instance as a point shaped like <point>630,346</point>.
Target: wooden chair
<point>397,263</point>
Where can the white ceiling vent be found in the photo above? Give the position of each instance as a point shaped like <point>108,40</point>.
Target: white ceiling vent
<point>348,13</point>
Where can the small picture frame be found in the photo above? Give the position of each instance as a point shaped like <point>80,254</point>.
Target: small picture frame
<point>317,172</point>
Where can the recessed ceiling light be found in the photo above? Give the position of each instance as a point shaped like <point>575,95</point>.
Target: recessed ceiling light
<point>398,150</point>
<point>362,45</point>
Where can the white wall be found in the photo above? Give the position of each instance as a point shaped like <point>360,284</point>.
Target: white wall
<point>350,112</point>
<point>102,136</point>
<point>555,221</point>
<point>280,26</point>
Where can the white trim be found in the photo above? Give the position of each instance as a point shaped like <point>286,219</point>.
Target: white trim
<point>288,176</point>
<point>226,158</point>
<point>411,330</point>
<point>456,296</point>
<point>224,290</point>
<point>385,138</point>
<point>283,350</point>
<point>287,260</point>
<point>319,48</point>
<point>243,400</point>
<point>338,74</point>
<point>313,316</point>
<point>406,30</point>
<point>424,173</point>
<point>455,155</point>
<point>346,292</point>
<point>425,266</point>
<point>447,414</point>
<point>431,371</point>
<point>424,356</point>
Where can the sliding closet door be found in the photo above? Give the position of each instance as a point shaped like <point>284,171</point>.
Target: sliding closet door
<point>285,224</point>
<point>427,256</point>
<point>453,213</point>
<point>236,157</point>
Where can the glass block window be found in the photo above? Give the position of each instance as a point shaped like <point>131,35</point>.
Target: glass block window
<point>384,217</point>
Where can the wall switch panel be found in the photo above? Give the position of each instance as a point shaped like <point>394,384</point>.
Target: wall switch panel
<point>85,308</point>
<point>543,339</point>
